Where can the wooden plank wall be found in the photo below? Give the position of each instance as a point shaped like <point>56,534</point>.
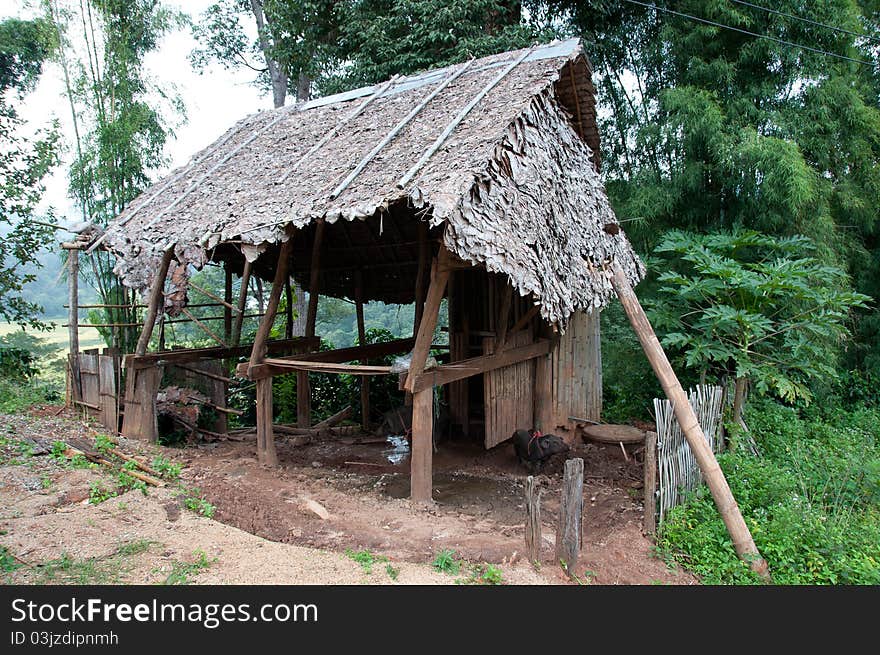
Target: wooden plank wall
<point>576,365</point>
<point>475,300</point>
<point>99,378</point>
<point>508,393</point>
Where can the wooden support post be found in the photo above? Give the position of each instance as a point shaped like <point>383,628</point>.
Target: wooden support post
<point>533,522</point>
<point>362,339</point>
<point>303,387</point>
<point>571,510</point>
<point>156,298</point>
<point>545,416</point>
<point>73,319</point>
<point>227,311</point>
<point>422,446</point>
<point>315,279</point>
<point>650,488</point>
<point>288,307</point>
<point>690,426</point>
<point>266,454</point>
<point>141,385</point>
<point>421,274</point>
<point>242,302</point>
<point>439,277</point>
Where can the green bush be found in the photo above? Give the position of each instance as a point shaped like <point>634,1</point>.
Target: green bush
<point>18,396</point>
<point>17,364</point>
<point>811,500</point>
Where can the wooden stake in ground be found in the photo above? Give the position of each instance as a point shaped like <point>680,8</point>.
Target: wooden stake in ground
<point>533,522</point>
<point>571,510</point>
<point>690,426</point>
<point>73,319</point>
<point>650,488</point>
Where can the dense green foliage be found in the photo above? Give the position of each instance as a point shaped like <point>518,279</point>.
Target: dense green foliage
<point>25,160</point>
<point>812,502</point>
<point>750,306</point>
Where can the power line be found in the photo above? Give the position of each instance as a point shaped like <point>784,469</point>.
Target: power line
<point>842,30</point>
<point>742,31</point>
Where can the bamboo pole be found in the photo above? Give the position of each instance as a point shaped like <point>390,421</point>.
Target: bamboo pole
<point>220,301</point>
<point>303,386</point>
<point>288,298</point>
<point>690,427</point>
<point>203,327</point>
<point>314,279</point>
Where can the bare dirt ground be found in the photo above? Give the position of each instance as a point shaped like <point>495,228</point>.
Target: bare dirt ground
<point>296,524</point>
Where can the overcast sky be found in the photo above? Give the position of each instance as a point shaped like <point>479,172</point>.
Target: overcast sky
<point>214,100</point>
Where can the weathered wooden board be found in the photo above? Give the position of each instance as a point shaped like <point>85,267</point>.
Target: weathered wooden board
<point>107,390</point>
<point>91,388</point>
<point>577,371</point>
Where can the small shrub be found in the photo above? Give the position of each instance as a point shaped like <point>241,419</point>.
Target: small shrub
<point>366,559</point>
<point>127,481</point>
<point>391,571</point>
<point>445,562</point>
<point>166,468</point>
<point>194,500</point>
<point>98,493</point>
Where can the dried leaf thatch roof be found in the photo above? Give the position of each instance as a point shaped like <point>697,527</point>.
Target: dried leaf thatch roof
<point>515,182</point>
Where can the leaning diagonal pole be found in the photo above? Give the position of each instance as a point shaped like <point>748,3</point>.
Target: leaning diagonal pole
<point>712,473</point>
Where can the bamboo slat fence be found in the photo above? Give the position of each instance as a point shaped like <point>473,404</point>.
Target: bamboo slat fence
<point>677,467</point>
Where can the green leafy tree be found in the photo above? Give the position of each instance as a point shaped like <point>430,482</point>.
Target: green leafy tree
<point>706,128</point>
<point>763,310</point>
<point>382,38</point>
<point>24,163</point>
<point>120,130</point>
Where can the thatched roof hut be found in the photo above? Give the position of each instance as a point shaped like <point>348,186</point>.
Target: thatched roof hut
<point>499,155</point>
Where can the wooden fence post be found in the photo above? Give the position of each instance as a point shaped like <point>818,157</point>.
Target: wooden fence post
<point>571,510</point>
<point>650,488</point>
<point>533,522</point>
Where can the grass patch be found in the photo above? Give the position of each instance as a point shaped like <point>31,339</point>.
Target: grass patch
<point>182,572</point>
<point>445,562</point>
<point>16,397</point>
<point>92,570</point>
<point>366,559</point>
<point>195,501</point>
<point>483,574</point>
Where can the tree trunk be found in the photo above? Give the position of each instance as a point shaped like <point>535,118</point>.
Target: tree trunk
<point>276,74</point>
<point>739,399</point>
